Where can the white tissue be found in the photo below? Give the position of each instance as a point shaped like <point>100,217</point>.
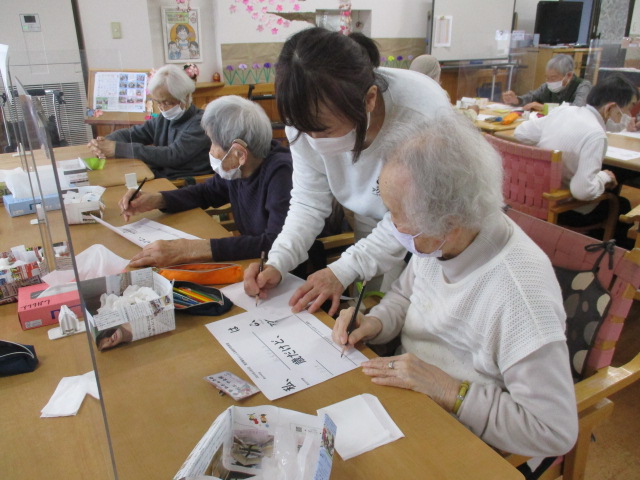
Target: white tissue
<point>96,261</point>
<point>69,394</point>
<point>362,425</point>
<point>18,182</point>
<point>133,294</point>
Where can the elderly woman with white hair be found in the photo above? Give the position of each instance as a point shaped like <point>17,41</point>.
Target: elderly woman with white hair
<point>478,310</point>
<point>172,144</point>
<point>253,173</point>
<point>561,86</point>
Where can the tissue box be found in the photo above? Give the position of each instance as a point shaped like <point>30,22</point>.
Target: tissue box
<point>75,171</point>
<point>132,322</point>
<point>12,279</point>
<point>36,312</point>
<point>82,202</point>
<point>25,206</point>
<point>241,437</point>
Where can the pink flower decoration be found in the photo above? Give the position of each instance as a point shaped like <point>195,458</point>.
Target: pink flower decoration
<point>260,28</point>
<point>254,16</point>
<point>274,31</point>
<point>280,20</point>
<point>286,24</point>
<point>232,8</point>
<point>271,2</point>
<point>97,112</point>
<point>296,8</point>
<point>249,8</point>
<point>246,2</point>
<point>264,9</point>
<point>278,8</point>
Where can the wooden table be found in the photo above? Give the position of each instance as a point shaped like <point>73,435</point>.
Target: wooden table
<point>112,174</point>
<point>158,406</point>
<point>613,139</point>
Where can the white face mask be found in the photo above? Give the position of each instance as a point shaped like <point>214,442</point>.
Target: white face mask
<point>408,241</point>
<point>216,165</point>
<point>336,145</point>
<point>173,113</point>
<point>555,87</point>
<point>612,126</point>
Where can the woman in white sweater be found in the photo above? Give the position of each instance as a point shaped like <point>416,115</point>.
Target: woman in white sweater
<point>341,111</point>
<point>478,309</point>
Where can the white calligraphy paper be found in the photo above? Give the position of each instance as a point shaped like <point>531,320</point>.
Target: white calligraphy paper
<point>621,153</point>
<point>283,356</point>
<point>145,231</point>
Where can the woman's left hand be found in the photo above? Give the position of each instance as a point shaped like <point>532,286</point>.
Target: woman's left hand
<point>408,371</point>
<point>172,252</point>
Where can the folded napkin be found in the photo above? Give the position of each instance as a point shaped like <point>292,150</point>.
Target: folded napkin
<point>362,425</point>
<point>69,394</point>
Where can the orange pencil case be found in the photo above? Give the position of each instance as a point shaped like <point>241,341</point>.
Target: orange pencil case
<point>204,273</point>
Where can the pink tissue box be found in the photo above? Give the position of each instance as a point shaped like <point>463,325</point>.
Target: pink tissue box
<point>37,312</point>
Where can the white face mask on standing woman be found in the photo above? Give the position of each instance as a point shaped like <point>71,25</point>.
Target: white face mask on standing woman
<point>336,145</point>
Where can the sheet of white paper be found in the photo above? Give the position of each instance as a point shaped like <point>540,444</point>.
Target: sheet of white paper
<point>283,356</point>
<point>145,231</point>
<point>278,297</point>
<point>628,134</point>
<point>362,425</point>
<point>482,117</point>
<point>498,106</point>
<point>621,153</point>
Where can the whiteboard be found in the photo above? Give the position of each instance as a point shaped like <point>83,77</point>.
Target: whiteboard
<point>471,29</point>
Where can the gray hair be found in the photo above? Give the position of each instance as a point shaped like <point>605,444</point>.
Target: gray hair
<point>455,175</point>
<point>176,81</point>
<point>561,63</point>
<point>231,117</point>
<point>427,64</point>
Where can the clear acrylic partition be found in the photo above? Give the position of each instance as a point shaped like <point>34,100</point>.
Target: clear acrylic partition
<point>46,124</point>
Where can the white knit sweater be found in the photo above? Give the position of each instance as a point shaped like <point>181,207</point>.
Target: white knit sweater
<point>579,133</point>
<point>410,97</point>
<point>494,316</point>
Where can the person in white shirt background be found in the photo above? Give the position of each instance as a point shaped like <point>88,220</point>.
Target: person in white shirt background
<point>580,134</point>
<point>341,111</point>
<point>478,301</point>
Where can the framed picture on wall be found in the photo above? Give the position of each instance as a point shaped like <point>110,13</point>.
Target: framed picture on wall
<point>181,33</point>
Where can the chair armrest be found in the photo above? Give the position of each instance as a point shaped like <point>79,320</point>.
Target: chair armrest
<point>181,182</point>
<point>569,203</point>
<point>606,382</point>
<point>336,241</point>
<point>632,216</point>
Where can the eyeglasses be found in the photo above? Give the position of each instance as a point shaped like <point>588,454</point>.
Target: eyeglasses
<point>165,103</point>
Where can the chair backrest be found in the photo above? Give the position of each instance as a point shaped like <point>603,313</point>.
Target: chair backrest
<point>528,173</point>
<point>565,248</point>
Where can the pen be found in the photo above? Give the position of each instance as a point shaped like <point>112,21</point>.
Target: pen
<point>352,323</point>
<point>137,191</point>
<point>260,269</point>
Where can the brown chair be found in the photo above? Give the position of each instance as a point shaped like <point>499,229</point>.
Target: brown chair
<point>565,248</point>
<point>533,185</point>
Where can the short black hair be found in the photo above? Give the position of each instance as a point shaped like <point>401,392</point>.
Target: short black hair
<point>616,88</point>
<point>369,46</point>
<point>317,66</point>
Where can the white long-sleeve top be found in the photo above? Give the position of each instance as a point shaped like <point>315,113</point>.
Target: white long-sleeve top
<point>410,97</point>
<point>494,316</point>
<point>579,132</point>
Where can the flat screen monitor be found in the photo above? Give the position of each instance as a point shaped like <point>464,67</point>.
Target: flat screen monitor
<point>558,22</point>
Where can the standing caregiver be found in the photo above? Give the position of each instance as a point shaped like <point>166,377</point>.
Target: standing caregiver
<point>340,109</point>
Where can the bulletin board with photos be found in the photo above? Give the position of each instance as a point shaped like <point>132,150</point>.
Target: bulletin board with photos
<point>118,90</point>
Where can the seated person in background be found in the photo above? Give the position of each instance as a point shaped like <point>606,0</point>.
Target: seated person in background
<point>579,133</point>
<point>478,301</point>
<point>561,86</point>
<point>428,65</point>
<point>253,172</point>
<point>172,144</point>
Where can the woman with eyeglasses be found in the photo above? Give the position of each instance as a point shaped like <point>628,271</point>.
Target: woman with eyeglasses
<point>253,173</point>
<point>173,144</point>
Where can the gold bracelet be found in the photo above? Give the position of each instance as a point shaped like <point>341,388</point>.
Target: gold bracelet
<point>464,388</point>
